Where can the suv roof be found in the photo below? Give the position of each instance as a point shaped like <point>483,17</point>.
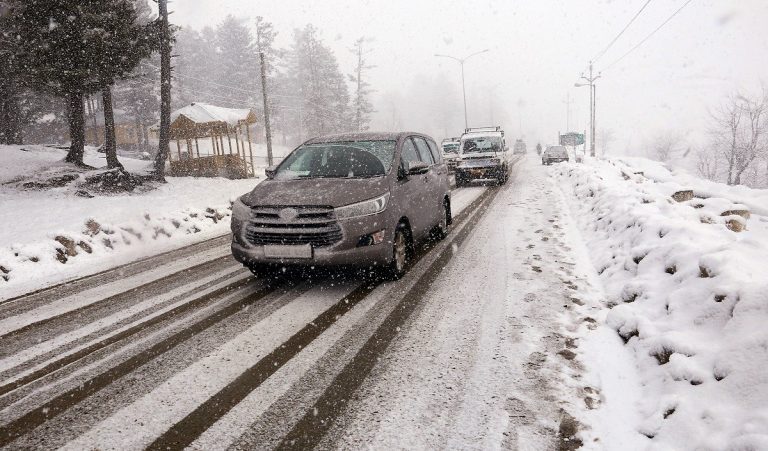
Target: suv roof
<point>363,136</point>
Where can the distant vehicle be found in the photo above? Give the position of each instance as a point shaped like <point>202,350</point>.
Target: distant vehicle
<point>578,156</point>
<point>554,154</point>
<point>483,154</point>
<point>519,148</point>
<point>450,148</point>
<point>362,199</point>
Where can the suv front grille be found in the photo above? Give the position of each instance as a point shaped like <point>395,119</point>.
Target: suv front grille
<point>311,225</point>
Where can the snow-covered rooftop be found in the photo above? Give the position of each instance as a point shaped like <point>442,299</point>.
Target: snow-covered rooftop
<point>202,113</point>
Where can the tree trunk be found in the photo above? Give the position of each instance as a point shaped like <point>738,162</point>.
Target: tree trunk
<point>110,143</point>
<point>139,134</point>
<point>10,116</point>
<point>165,91</point>
<point>76,128</point>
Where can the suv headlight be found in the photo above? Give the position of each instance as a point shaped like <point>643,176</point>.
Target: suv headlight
<point>364,208</point>
<point>240,210</point>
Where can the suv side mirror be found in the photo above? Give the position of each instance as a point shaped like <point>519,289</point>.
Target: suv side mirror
<point>271,171</point>
<point>416,167</point>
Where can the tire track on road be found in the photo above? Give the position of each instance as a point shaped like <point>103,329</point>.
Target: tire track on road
<point>39,415</point>
<point>192,303</point>
<point>62,310</point>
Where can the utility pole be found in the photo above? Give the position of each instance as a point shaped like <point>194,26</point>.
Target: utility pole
<point>267,127</point>
<point>264,93</point>
<point>592,105</point>
<point>165,91</point>
<point>463,87</point>
<point>358,107</point>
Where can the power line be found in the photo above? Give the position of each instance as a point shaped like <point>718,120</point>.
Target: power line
<point>239,103</point>
<point>599,55</point>
<point>189,77</point>
<point>647,37</point>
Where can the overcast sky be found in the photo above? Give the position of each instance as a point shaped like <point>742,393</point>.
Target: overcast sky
<point>538,48</point>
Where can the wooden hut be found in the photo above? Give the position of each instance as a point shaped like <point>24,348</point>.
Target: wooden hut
<point>224,135</point>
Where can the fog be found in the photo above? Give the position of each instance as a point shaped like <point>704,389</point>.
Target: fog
<point>537,50</point>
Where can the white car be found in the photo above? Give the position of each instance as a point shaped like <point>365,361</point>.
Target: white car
<point>450,149</point>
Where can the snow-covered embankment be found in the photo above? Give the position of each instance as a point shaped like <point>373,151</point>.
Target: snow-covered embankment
<point>54,234</point>
<point>687,293</point>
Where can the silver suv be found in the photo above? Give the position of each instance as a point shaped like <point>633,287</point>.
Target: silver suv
<point>359,199</point>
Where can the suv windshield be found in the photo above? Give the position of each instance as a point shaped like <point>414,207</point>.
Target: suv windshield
<point>481,144</point>
<point>338,160</point>
<point>451,148</point>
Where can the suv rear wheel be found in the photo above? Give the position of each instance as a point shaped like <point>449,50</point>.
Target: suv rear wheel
<point>442,228</point>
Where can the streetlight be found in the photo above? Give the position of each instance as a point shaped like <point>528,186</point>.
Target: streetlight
<point>592,104</point>
<point>463,89</point>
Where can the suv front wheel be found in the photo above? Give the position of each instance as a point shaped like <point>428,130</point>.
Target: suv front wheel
<point>400,251</point>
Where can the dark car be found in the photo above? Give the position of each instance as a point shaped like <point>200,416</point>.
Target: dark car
<point>359,199</point>
<point>554,154</point>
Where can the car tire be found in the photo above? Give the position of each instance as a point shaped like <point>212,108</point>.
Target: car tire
<point>443,228</point>
<point>400,253</point>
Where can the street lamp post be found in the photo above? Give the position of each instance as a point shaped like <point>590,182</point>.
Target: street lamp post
<point>463,88</point>
<point>592,105</point>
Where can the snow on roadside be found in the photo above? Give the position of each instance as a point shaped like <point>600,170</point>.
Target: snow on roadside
<point>50,236</point>
<point>688,295</point>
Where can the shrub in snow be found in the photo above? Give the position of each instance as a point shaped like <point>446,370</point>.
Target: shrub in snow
<point>687,294</point>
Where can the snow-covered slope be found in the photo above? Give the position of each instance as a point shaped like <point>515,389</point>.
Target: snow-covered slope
<point>687,293</point>
<point>51,235</point>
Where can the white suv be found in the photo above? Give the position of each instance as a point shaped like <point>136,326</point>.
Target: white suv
<point>483,154</point>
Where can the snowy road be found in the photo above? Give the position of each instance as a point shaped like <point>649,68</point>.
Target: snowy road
<point>186,349</point>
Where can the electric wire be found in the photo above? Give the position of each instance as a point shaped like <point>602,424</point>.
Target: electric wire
<point>599,55</point>
<point>647,37</point>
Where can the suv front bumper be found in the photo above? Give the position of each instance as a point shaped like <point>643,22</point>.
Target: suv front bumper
<point>483,172</point>
<point>347,251</point>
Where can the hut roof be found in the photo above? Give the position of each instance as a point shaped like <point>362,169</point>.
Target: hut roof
<point>198,120</point>
<point>202,113</point>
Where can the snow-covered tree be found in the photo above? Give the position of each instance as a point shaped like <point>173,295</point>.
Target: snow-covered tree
<point>316,79</point>
<point>236,65</point>
<point>361,105</point>
<point>72,48</point>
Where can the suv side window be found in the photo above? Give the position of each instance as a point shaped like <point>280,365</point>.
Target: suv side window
<point>436,154</point>
<point>408,154</point>
<point>424,152</point>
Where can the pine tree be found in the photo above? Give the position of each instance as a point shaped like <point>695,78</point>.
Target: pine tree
<point>129,42</point>
<point>319,83</point>
<point>72,48</point>
<point>139,95</point>
<point>237,62</point>
<point>362,89</point>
